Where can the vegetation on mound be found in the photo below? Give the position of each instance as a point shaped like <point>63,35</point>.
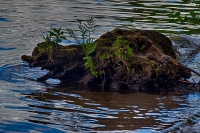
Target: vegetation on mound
<point>86,41</point>
<point>56,35</point>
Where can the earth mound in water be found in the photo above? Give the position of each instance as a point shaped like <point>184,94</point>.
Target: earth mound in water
<point>139,60</point>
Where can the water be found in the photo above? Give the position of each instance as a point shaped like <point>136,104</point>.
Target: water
<point>29,106</point>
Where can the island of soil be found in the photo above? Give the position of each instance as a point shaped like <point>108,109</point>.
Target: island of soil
<point>138,60</point>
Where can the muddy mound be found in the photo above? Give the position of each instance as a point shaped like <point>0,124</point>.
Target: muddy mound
<point>139,60</point>
<point>135,59</point>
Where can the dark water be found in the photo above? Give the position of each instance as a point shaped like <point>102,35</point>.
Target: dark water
<point>30,107</point>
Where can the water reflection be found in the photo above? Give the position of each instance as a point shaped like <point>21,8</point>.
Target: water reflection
<point>77,110</point>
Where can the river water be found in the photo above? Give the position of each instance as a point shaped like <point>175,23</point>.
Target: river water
<point>27,106</point>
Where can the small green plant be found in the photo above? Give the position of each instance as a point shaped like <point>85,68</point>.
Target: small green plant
<point>54,36</point>
<point>89,48</point>
<point>86,31</point>
<point>57,34</point>
<point>86,41</point>
<point>90,65</point>
<point>46,44</point>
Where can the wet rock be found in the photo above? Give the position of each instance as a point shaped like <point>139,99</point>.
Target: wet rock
<point>186,47</point>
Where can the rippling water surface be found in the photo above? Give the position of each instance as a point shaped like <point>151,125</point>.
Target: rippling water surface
<point>29,106</point>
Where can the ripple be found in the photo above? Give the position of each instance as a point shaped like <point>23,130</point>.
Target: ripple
<point>5,20</point>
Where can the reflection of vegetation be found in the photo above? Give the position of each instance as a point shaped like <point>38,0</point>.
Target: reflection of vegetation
<point>155,15</point>
<point>44,95</point>
<point>193,1</point>
<point>193,17</point>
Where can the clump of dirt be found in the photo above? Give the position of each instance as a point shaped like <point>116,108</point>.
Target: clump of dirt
<point>63,62</point>
<point>152,66</point>
<point>139,60</point>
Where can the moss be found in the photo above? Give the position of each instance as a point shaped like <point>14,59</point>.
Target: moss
<point>66,51</point>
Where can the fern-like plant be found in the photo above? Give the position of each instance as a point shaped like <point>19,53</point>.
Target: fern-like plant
<point>54,36</point>
<point>89,48</point>
<point>57,34</point>
<point>86,41</point>
<point>46,44</point>
<point>86,30</point>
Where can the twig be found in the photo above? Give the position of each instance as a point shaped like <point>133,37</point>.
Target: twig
<point>185,81</point>
<point>181,65</point>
